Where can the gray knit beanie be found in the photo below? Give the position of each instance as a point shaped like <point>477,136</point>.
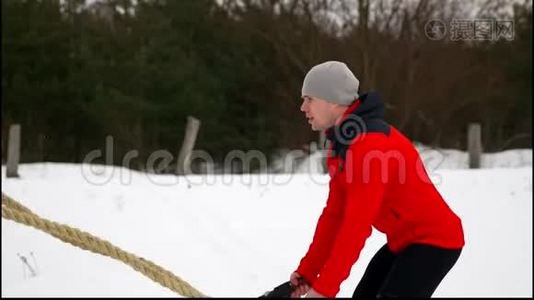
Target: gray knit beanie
<point>332,81</point>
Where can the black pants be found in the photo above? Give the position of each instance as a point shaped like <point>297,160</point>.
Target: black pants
<point>414,272</point>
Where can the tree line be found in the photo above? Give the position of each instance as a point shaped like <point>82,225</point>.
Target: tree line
<point>75,72</point>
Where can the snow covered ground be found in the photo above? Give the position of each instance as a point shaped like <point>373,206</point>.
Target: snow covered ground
<point>243,235</point>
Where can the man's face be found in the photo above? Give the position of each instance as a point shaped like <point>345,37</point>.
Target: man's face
<point>320,113</point>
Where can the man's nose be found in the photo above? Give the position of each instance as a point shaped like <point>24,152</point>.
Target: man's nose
<point>303,106</point>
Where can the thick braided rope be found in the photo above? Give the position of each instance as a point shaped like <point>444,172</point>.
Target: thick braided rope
<point>12,210</point>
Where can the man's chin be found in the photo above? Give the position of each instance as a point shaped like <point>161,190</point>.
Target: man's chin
<point>315,128</point>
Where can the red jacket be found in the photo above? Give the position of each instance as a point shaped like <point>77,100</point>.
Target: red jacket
<point>377,180</point>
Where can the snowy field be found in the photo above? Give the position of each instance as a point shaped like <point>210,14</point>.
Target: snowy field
<point>243,235</point>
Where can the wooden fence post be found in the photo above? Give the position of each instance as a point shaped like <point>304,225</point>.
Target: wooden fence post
<point>13,151</point>
<point>191,131</point>
<point>474,145</point>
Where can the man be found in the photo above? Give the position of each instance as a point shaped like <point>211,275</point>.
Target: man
<point>377,180</point>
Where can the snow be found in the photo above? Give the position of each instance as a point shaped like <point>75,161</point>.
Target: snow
<point>242,235</point>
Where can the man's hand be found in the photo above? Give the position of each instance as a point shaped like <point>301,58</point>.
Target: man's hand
<point>299,284</point>
<point>313,294</point>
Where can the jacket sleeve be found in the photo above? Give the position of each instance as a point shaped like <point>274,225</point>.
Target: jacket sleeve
<point>363,197</point>
<point>324,235</point>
